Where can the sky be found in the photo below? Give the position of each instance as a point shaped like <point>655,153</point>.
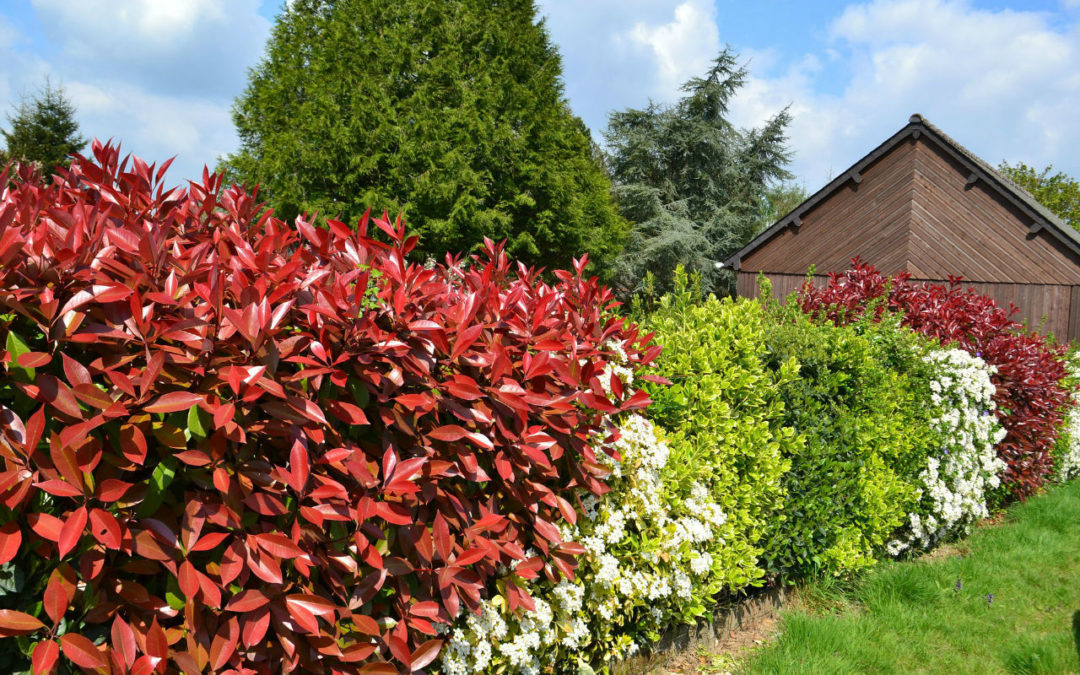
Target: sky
<point>1001,77</point>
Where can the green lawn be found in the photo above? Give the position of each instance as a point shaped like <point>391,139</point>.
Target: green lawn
<point>911,617</point>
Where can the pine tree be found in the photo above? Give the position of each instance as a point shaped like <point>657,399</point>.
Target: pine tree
<point>43,130</point>
<point>450,112</point>
<point>694,186</point>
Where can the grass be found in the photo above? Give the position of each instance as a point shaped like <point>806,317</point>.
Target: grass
<point>914,617</point>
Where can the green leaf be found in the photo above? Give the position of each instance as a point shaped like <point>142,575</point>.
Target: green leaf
<point>585,669</point>
<point>195,423</point>
<point>163,475</point>
<point>16,347</point>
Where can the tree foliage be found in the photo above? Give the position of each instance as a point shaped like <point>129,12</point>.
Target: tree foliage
<point>452,112</point>
<point>780,200</point>
<point>1058,191</point>
<point>43,130</point>
<point>693,185</point>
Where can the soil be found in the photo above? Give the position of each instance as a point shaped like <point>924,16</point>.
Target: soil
<point>719,659</point>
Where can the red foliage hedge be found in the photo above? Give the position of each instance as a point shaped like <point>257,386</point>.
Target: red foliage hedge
<point>249,447</point>
<point>1030,395</point>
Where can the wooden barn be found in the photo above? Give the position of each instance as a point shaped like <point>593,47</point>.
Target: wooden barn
<point>921,203</point>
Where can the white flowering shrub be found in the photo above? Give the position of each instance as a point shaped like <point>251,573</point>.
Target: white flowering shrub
<point>650,560</point>
<point>957,478</point>
<point>1067,449</point>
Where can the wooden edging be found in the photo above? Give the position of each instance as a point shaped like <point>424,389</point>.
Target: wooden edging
<point>729,617</point>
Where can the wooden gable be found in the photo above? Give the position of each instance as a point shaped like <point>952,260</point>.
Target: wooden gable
<point>921,203</point>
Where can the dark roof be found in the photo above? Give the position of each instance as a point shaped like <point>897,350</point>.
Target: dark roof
<point>1042,218</point>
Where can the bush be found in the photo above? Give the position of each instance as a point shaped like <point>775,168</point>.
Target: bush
<point>648,564</point>
<point>962,470</point>
<point>859,402</point>
<point>234,444</point>
<point>1066,453</point>
<point>724,417</point>
<point>1029,394</point>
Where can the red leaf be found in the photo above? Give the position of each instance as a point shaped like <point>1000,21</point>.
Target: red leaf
<point>33,359</point>
<point>72,532</point>
<point>299,466</point>
<point>188,579</point>
<point>14,623</point>
<point>253,626</point>
<point>10,541</point>
<point>278,545</point>
<point>58,395</point>
<point>173,402</point>
<point>247,601</point>
<point>225,644</point>
<point>425,654</point>
<point>449,433</point>
<point>82,651</point>
<point>58,595</point>
<point>105,528</point>
<point>45,525</point>
<point>46,654</point>
<point>123,641</point>
<point>443,543</point>
<point>157,644</point>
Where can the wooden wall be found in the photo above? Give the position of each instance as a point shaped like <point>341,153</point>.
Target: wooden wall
<point>869,219</point>
<point>915,209</point>
<point>1047,308</point>
<point>971,231</point>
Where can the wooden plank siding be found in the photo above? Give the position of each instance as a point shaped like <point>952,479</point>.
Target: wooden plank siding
<point>1046,308</point>
<point>869,219</point>
<point>971,231</point>
<point>916,208</point>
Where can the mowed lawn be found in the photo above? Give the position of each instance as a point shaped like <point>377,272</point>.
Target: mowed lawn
<point>936,614</point>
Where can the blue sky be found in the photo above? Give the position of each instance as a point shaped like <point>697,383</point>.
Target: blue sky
<point>1002,77</point>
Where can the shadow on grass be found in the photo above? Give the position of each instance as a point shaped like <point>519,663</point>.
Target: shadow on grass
<point>1076,632</point>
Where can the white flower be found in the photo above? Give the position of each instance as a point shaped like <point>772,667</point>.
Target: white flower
<point>955,481</point>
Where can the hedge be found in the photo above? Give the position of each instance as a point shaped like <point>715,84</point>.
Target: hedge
<point>234,443</point>
<point>1029,394</point>
<point>231,443</point>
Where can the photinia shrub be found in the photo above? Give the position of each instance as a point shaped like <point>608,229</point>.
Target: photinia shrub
<point>1030,394</point>
<point>231,444</point>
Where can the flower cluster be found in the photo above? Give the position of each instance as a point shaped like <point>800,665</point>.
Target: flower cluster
<point>955,481</point>
<point>649,555</point>
<point>1067,454</point>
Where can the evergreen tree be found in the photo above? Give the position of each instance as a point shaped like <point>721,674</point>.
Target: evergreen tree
<point>450,112</point>
<point>694,186</point>
<point>1058,192</point>
<point>43,130</point>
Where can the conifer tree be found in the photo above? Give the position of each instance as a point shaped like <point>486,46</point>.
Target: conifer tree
<point>694,186</point>
<point>451,112</point>
<point>43,130</point>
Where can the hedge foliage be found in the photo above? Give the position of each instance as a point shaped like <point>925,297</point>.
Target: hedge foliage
<point>230,443</point>
<point>725,416</point>
<point>859,403</point>
<point>1029,394</point>
<point>235,444</point>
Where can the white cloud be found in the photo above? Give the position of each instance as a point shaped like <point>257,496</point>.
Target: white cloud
<point>191,47</point>
<point>1005,83</point>
<point>159,76</point>
<point>682,47</point>
<point>614,54</point>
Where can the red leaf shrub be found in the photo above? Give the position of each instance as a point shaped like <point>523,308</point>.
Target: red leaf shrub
<point>267,448</point>
<point>1030,395</point>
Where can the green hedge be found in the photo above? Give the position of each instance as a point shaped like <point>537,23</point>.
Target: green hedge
<point>859,401</point>
<point>725,417</point>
